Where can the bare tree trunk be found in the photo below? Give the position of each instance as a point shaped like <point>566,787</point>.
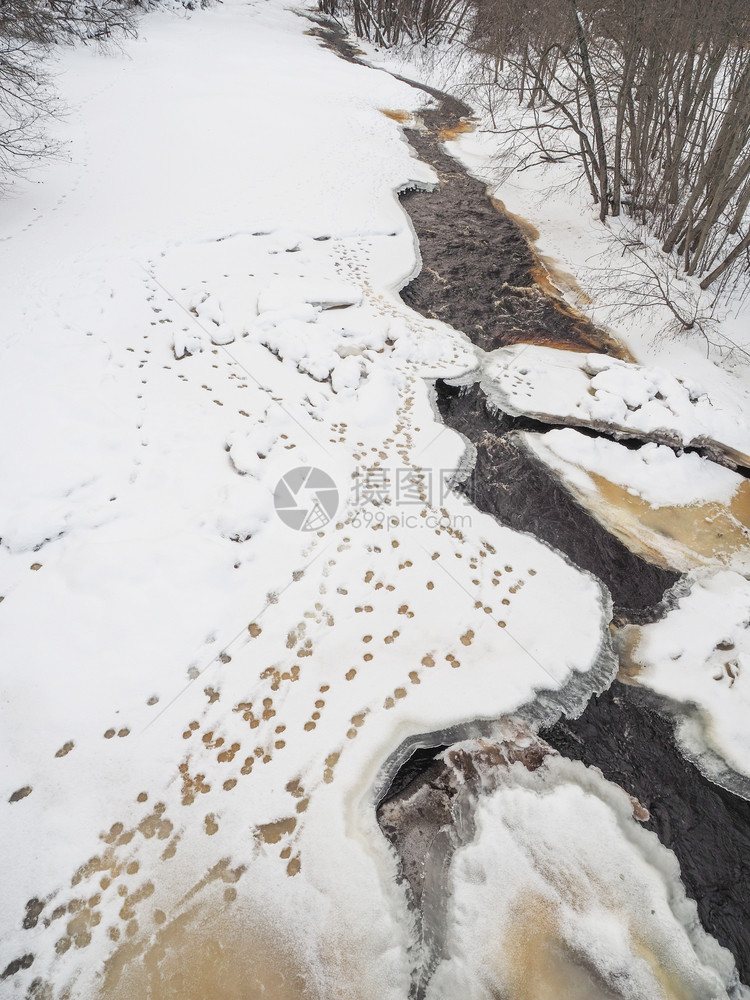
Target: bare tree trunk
<point>601,151</point>
<point>741,247</point>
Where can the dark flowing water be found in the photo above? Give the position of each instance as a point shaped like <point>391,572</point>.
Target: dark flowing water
<point>492,297</point>
<point>479,275</point>
<point>521,492</point>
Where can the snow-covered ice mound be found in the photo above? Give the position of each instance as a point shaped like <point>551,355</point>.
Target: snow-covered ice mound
<point>533,880</point>
<point>679,511</point>
<point>620,398</point>
<point>562,894</point>
<point>699,656</point>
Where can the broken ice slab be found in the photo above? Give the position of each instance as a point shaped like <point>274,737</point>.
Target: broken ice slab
<point>699,657</point>
<point>680,512</point>
<point>616,397</point>
<point>531,878</point>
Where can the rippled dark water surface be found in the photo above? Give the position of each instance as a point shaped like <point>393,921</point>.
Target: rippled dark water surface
<point>492,297</point>
<point>621,731</point>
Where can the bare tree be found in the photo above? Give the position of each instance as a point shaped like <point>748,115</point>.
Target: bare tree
<point>652,99</point>
<point>654,102</point>
<point>390,22</point>
<point>28,28</point>
<point>26,97</point>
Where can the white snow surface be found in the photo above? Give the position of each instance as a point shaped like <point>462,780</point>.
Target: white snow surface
<point>199,298</point>
<point>592,390</point>
<point>699,654</point>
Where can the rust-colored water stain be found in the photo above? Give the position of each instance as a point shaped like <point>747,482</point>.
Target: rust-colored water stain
<point>534,962</point>
<point>626,642</point>
<point>674,537</point>
<point>564,280</point>
<point>536,965</point>
<point>480,273</point>
<point>396,116</point>
<point>453,131</point>
<point>590,337</point>
<point>528,229</point>
<point>553,281</point>
<point>673,987</point>
<point>197,955</point>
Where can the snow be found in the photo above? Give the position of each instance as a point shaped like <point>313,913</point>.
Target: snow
<point>591,390</point>
<point>325,294</point>
<point>679,510</point>
<point>699,655</point>
<point>79,443</point>
<point>197,698</point>
<point>654,472</point>
<point>560,894</point>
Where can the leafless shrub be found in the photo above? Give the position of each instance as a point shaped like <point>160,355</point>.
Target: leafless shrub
<point>391,22</point>
<point>634,278</point>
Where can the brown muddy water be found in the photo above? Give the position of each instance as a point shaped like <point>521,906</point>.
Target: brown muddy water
<point>684,537</point>
<point>481,275</point>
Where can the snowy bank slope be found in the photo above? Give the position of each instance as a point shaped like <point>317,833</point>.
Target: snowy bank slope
<point>226,177</point>
<point>700,655</point>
